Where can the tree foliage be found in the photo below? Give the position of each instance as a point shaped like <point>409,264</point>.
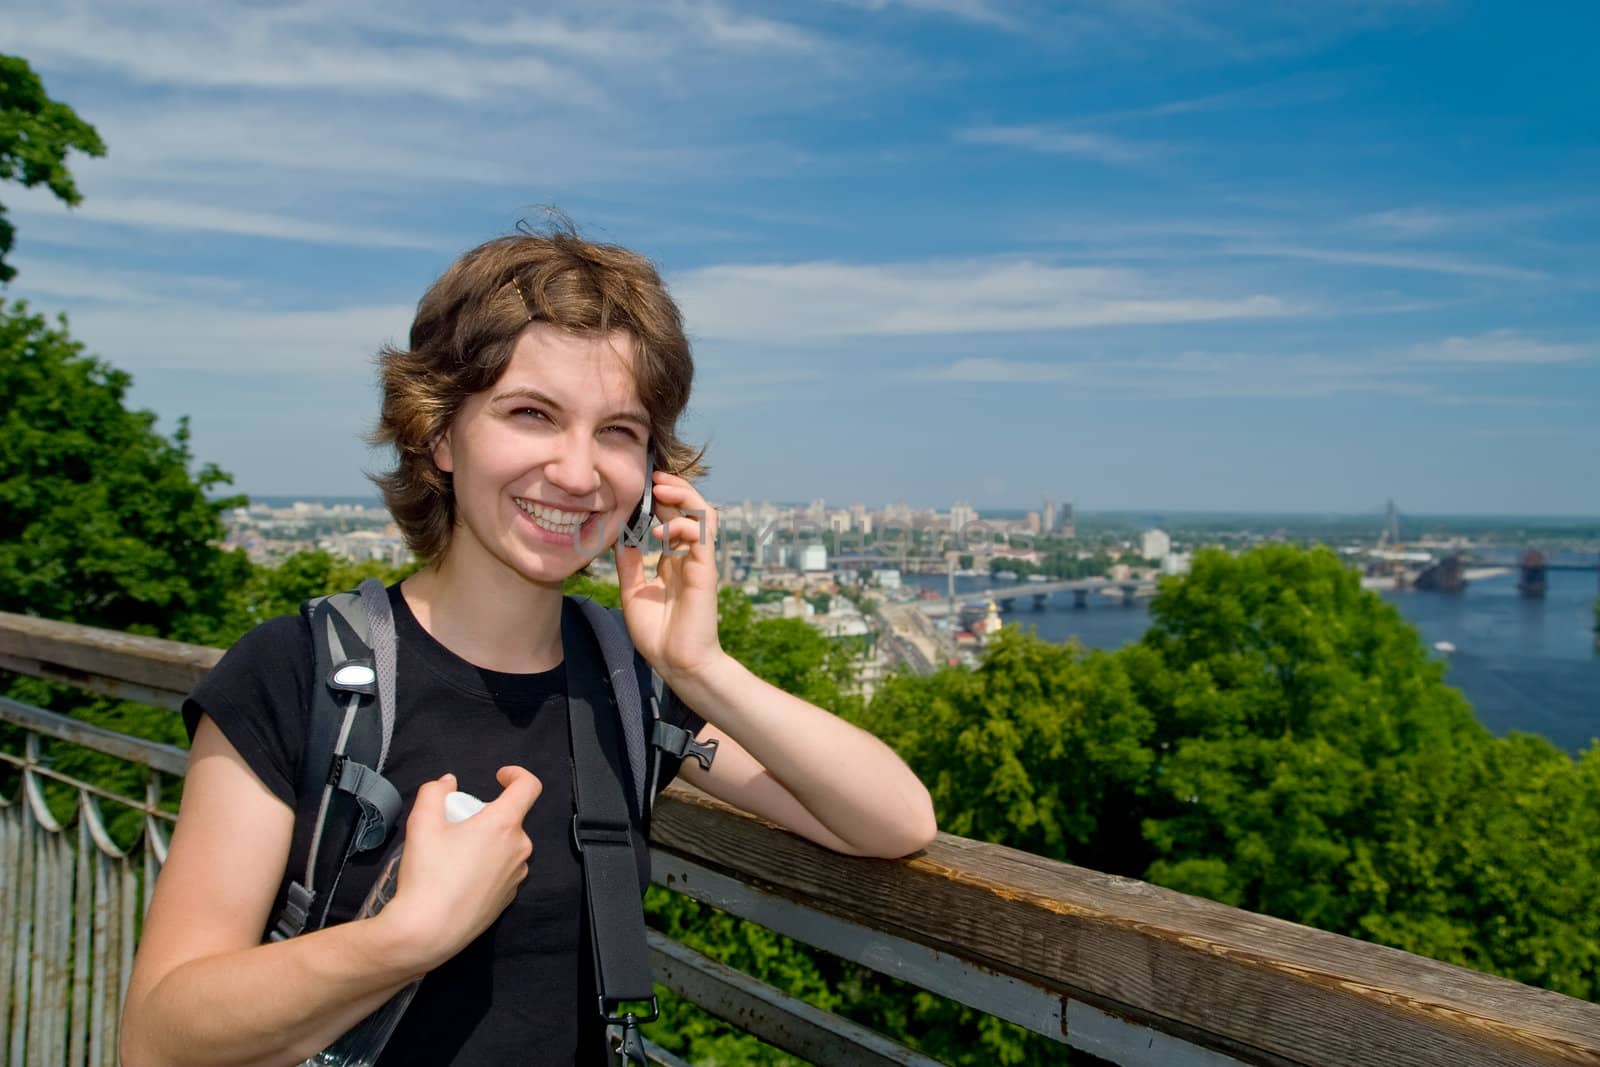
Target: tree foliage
<point>1279,741</point>
<point>102,518</point>
<point>36,133</point>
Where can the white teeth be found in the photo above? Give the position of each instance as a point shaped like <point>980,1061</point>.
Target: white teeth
<point>553,519</point>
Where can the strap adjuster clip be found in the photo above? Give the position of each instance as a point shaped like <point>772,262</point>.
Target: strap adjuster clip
<point>600,833</point>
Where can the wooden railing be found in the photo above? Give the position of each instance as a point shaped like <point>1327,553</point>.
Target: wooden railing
<point>1121,969</point>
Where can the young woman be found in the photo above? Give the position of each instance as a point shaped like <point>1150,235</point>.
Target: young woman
<point>544,375</point>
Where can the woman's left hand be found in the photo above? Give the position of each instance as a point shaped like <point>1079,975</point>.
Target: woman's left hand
<point>672,617</point>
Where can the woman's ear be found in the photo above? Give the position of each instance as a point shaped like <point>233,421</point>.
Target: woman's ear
<point>442,457</point>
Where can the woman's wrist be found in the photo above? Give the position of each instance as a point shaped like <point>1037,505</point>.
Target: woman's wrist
<point>398,945</point>
<point>697,686</point>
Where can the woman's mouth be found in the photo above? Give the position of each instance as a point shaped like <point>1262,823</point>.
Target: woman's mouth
<point>563,524</point>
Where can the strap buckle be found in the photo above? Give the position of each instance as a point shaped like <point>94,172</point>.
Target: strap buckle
<point>676,741</point>
<point>595,832</point>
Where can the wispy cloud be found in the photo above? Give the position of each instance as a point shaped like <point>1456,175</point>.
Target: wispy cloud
<point>148,320</point>
<point>985,12</point>
<point>1187,375</point>
<point>1502,347</point>
<point>785,302</point>
<point>1063,141</point>
<point>244,47</point>
<point>1433,263</point>
<point>986,371</point>
<point>339,342</point>
<point>159,213</point>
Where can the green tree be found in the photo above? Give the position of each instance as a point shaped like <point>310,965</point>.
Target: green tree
<point>102,519</point>
<point>280,590</point>
<point>36,133</point>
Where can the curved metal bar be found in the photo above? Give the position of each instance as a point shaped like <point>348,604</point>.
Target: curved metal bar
<point>82,946</point>
<point>89,811</point>
<point>21,930</point>
<point>86,787</point>
<point>33,791</point>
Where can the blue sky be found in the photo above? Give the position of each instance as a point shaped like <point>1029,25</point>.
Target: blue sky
<point>1133,253</point>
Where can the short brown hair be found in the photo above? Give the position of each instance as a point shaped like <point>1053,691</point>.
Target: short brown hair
<point>466,327</point>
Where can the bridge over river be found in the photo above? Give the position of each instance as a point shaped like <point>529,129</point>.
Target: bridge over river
<point>1006,594</point>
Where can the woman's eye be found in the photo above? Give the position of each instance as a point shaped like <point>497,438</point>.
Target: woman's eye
<point>533,412</point>
<point>626,431</point>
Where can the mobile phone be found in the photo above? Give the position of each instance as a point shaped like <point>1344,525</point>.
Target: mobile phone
<point>646,505</point>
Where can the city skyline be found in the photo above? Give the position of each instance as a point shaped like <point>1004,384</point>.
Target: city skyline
<point>1175,258</point>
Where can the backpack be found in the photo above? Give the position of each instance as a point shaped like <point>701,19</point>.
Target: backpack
<point>345,805</point>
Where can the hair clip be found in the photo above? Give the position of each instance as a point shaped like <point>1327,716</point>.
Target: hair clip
<point>524,298</point>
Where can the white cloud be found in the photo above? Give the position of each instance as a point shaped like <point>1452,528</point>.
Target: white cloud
<point>985,12</point>
<point>64,281</point>
<point>249,47</point>
<point>147,320</point>
<point>1434,264</point>
<point>998,371</point>
<point>1192,375</point>
<point>1055,140</point>
<point>784,302</point>
<point>150,329</point>
<point>160,213</point>
<point>1505,347</point>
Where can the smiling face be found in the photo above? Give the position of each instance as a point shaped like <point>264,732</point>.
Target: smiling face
<point>550,457</point>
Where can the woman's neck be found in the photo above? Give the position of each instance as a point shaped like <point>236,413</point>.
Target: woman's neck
<point>512,626</point>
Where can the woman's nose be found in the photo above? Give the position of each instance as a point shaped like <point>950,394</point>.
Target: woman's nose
<point>573,470</point>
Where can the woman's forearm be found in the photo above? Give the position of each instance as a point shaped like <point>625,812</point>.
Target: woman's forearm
<point>852,782</point>
<point>273,1004</point>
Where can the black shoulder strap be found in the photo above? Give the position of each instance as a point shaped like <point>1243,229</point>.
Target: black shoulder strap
<point>604,828</point>
<point>637,689</point>
<point>343,804</point>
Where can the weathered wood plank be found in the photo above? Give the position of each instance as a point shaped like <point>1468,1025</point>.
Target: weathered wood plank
<point>65,652</point>
<point>1256,984</point>
<point>780,1020</point>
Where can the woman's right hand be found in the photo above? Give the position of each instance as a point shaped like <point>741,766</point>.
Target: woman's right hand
<point>456,878</point>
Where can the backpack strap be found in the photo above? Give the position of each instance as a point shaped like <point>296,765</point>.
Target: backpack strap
<point>603,826</point>
<point>636,687</point>
<point>343,803</point>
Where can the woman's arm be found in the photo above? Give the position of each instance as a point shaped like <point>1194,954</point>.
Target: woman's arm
<point>204,991</point>
<point>804,768</point>
<point>782,757</point>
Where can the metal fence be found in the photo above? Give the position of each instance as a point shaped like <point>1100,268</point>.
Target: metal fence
<point>71,899</point>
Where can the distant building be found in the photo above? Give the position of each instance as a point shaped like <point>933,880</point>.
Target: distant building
<point>1155,544</point>
<point>886,579</point>
<point>962,515</point>
<point>839,521</point>
<point>1176,563</point>
<point>1068,527</point>
<point>814,558</point>
<point>1048,517</point>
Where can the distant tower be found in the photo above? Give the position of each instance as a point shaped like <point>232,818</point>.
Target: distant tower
<point>1391,526</point>
<point>1048,517</point>
<point>1069,527</point>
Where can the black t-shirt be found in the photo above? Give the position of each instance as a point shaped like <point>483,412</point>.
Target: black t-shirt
<point>522,992</point>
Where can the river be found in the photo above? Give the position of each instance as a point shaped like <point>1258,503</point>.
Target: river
<point>1524,664</point>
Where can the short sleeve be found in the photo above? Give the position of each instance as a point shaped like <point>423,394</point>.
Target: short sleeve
<point>256,694</point>
<point>678,714</point>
